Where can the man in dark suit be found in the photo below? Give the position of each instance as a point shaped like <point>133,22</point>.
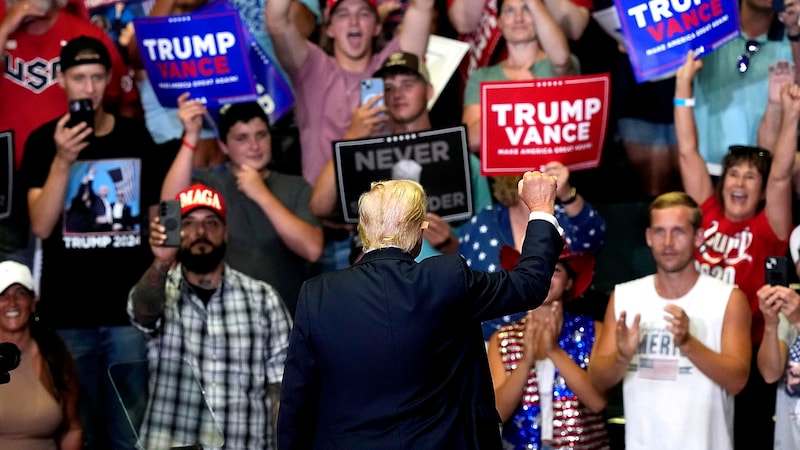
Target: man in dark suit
<point>389,353</point>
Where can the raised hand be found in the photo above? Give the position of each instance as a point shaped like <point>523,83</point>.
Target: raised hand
<point>687,71</point>
<point>538,191</point>
<point>190,113</point>
<point>551,328</point>
<point>438,231</point>
<point>70,141</point>
<point>531,339</point>
<point>790,100</point>
<point>678,323</point>
<point>770,303</point>
<point>627,338</point>
<point>157,237</point>
<point>779,74</point>
<point>249,181</point>
<point>17,14</point>
<point>367,119</point>
<point>560,171</point>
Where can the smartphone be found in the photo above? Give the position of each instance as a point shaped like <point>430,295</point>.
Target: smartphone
<point>777,270</point>
<point>81,111</point>
<point>169,213</point>
<point>370,88</point>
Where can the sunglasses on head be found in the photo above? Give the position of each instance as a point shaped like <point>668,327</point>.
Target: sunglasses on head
<point>745,150</point>
<point>750,49</point>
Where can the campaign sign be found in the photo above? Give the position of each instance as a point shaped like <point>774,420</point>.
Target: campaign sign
<point>6,168</point>
<point>526,124</point>
<point>437,159</point>
<point>659,33</point>
<point>204,54</point>
<point>273,90</point>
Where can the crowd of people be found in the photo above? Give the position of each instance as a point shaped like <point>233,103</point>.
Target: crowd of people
<point>276,322</point>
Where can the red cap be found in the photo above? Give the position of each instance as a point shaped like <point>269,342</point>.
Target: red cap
<point>201,196</point>
<point>581,265</point>
<point>334,3</point>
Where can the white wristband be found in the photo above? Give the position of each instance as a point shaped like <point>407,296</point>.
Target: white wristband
<point>688,102</point>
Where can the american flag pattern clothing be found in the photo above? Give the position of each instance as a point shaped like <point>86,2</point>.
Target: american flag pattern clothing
<point>794,351</point>
<point>792,369</point>
<point>490,229</point>
<point>211,364</point>
<point>574,425</point>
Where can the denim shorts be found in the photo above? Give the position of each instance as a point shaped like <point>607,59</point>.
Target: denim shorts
<point>640,131</point>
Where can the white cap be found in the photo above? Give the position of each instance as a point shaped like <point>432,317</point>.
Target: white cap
<point>12,272</point>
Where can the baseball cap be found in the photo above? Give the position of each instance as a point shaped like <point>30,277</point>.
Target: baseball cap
<point>84,50</point>
<point>580,266</point>
<point>12,272</point>
<point>332,4</point>
<point>403,62</point>
<point>201,196</point>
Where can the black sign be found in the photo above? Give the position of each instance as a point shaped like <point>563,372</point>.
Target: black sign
<point>6,168</point>
<point>437,159</point>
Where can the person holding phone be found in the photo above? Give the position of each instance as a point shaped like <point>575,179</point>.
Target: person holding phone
<point>326,86</point>
<point>84,287</point>
<point>750,208</point>
<point>32,34</point>
<point>779,359</point>
<point>406,91</point>
<point>231,328</point>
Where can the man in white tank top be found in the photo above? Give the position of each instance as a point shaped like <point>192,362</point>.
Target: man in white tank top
<point>682,341</point>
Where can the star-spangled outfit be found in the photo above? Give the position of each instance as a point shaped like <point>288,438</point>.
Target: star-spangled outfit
<point>549,408</point>
<point>787,397</point>
<point>481,238</point>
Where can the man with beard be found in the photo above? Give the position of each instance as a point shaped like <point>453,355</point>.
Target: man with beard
<point>680,338</point>
<point>205,320</point>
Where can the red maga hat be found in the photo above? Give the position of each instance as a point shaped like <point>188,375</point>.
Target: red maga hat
<point>201,196</point>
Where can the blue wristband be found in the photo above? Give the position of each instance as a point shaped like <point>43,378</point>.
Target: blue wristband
<point>688,102</point>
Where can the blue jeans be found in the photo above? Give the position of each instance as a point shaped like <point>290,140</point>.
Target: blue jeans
<point>105,419</point>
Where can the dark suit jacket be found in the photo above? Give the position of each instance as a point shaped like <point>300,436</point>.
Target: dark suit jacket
<point>389,354</point>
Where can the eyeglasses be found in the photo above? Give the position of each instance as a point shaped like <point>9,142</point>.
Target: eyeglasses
<point>750,49</point>
<point>747,150</point>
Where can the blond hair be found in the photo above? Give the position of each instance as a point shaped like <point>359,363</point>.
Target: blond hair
<point>391,215</point>
<point>505,189</point>
<point>679,198</point>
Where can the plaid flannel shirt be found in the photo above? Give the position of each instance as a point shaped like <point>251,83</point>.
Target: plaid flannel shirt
<point>210,365</point>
